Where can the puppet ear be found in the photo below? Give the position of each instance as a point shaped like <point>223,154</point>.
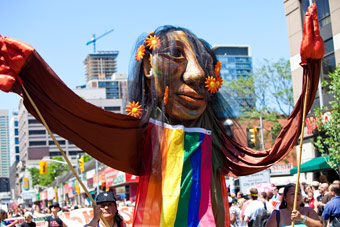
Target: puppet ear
<point>147,67</point>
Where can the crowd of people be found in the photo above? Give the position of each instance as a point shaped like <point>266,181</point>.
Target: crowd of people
<point>106,205</point>
<point>318,204</point>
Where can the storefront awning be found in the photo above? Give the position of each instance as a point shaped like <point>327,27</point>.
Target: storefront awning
<point>319,163</point>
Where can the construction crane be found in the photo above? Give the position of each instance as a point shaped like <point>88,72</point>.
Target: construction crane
<point>94,39</point>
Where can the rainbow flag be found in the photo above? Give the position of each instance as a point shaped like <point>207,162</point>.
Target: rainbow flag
<point>174,189</point>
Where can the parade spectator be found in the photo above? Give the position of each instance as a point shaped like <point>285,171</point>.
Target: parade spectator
<point>253,208</point>
<point>285,215</point>
<point>332,208</point>
<point>315,186</point>
<point>106,205</point>
<point>28,220</point>
<point>268,205</point>
<point>303,189</point>
<point>322,199</point>
<point>37,211</point>
<point>54,220</point>
<point>239,195</point>
<point>337,182</point>
<point>275,194</point>
<point>277,204</point>
<point>312,202</point>
<point>3,223</point>
<point>235,211</point>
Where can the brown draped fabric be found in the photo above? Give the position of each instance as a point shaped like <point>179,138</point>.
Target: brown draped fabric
<point>240,160</point>
<point>117,140</point>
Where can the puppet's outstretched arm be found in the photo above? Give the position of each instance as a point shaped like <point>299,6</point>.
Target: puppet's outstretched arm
<point>240,160</point>
<point>113,139</point>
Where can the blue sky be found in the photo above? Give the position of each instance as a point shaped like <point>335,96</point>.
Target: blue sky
<point>60,29</point>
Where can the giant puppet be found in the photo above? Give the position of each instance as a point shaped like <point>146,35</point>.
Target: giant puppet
<point>177,146</point>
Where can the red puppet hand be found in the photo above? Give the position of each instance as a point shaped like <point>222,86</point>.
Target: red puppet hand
<point>13,55</point>
<point>312,45</point>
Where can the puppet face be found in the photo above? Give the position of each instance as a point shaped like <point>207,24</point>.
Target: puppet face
<point>175,65</point>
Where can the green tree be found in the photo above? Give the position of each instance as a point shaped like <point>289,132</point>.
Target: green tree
<point>328,139</point>
<point>267,92</point>
<point>53,170</point>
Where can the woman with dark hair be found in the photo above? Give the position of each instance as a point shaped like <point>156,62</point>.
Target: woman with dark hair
<point>303,216</point>
<point>173,138</point>
<point>107,206</point>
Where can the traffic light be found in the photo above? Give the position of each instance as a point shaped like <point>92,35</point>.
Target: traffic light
<point>77,188</point>
<point>252,137</point>
<point>81,164</point>
<point>26,186</point>
<point>43,167</point>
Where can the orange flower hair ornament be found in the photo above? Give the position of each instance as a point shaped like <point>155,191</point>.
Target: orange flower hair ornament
<point>153,42</point>
<point>166,95</point>
<point>134,109</point>
<point>210,83</point>
<point>219,81</point>
<point>218,68</point>
<point>140,53</point>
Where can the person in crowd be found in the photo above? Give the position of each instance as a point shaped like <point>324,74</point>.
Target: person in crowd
<point>234,210</point>
<point>3,216</point>
<point>315,187</point>
<point>305,216</point>
<point>308,189</point>
<point>28,220</point>
<point>322,199</point>
<point>303,189</point>
<point>107,206</point>
<point>37,211</point>
<point>264,198</point>
<point>337,182</point>
<point>54,220</point>
<point>275,194</point>
<point>277,203</point>
<point>312,202</point>
<point>253,207</point>
<point>331,211</point>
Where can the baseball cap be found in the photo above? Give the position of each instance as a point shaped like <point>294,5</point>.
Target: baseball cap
<point>54,204</point>
<point>28,214</point>
<point>281,190</point>
<point>105,197</point>
<point>315,183</point>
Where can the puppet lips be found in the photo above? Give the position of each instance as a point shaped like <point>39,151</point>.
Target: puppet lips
<point>191,97</point>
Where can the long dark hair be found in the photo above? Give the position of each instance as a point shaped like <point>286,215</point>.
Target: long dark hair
<point>138,91</point>
<point>283,204</point>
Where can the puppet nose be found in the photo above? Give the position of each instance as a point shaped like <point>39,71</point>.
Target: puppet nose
<point>194,73</point>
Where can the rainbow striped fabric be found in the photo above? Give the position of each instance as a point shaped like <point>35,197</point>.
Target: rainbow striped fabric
<point>174,189</point>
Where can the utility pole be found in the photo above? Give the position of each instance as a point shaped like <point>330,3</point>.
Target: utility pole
<point>261,128</point>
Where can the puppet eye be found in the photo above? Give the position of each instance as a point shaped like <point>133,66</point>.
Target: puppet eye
<point>174,52</point>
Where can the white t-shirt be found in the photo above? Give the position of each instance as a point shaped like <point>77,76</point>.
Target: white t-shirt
<point>253,209</point>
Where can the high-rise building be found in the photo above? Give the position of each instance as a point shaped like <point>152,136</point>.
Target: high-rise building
<point>329,17</point>
<point>14,139</point>
<point>236,62</point>
<point>4,144</point>
<point>35,142</point>
<point>329,24</point>
<point>100,65</point>
<point>115,85</point>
